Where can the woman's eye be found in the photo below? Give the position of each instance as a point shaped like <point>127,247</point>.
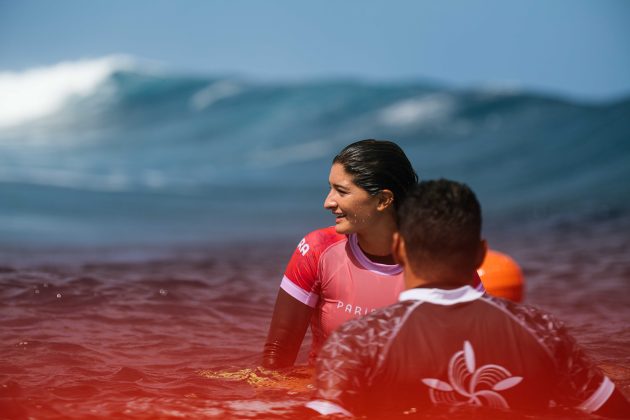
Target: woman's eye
<point>338,190</point>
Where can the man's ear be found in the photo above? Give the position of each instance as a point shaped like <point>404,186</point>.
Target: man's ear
<point>398,249</point>
<point>481,253</point>
<point>385,199</point>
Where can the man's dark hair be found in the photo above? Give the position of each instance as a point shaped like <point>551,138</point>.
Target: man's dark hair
<point>377,165</point>
<point>440,222</point>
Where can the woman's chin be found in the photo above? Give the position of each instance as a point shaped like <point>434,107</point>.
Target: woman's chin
<point>340,228</point>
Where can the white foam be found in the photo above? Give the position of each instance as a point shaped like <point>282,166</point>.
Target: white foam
<point>418,110</point>
<point>41,91</point>
<point>213,93</point>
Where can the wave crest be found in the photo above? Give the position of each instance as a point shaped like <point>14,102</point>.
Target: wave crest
<point>41,91</point>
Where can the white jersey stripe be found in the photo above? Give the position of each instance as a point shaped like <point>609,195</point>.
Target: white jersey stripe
<point>297,292</point>
<point>599,397</point>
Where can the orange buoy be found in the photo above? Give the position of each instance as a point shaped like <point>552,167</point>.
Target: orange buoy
<point>501,276</point>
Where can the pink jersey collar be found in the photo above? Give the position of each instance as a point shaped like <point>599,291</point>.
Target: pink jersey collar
<point>385,269</point>
<point>442,296</point>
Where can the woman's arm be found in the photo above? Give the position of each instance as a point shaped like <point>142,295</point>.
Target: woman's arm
<point>288,326</point>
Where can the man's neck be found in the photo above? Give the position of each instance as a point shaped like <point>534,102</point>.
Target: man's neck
<point>437,280</point>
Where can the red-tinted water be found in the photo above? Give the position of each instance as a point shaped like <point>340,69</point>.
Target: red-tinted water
<point>181,336</point>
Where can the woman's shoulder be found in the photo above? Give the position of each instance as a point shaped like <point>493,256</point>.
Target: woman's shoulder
<point>320,239</point>
<point>305,260</point>
<point>325,235</point>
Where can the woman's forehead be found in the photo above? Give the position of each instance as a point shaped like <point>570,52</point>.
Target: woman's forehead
<point>339,176</point>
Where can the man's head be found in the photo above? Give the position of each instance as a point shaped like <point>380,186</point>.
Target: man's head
<point>439,239</point>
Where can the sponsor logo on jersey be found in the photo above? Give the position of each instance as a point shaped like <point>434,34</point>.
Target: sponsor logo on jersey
<point>469,385</point>
<point>303,247</point>
<point>355,310</point>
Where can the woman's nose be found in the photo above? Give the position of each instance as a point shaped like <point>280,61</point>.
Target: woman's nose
<point>329,202</point>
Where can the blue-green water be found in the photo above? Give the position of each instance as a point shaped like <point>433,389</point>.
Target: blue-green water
<point>150,157</point>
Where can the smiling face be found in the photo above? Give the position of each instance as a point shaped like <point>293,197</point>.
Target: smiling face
<point>353,207</point>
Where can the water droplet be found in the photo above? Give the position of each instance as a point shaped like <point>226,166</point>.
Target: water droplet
<point>163,292</point>
<point>37,291</point>
<point>58,295</point>
<point>45,284</point>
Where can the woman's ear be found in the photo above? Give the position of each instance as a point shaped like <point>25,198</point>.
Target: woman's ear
<point>385,199</point>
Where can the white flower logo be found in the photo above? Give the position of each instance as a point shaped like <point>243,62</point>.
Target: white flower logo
<point>469,386</point>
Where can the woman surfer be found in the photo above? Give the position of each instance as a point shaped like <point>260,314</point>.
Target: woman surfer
<point>346,271</point>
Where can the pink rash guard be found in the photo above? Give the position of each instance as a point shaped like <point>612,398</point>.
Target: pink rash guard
<point>329,272</point>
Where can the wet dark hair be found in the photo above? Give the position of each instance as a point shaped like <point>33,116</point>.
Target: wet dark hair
<point>440,222</point>
<point>376,165</point>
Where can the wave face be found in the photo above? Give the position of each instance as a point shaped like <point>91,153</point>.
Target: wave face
<point>126,153</point>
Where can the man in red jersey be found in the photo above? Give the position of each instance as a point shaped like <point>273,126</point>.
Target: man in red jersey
<point>447,343</point>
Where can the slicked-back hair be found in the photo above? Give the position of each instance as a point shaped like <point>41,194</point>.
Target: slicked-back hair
<point>440,222</point>
<point>376,165</point>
